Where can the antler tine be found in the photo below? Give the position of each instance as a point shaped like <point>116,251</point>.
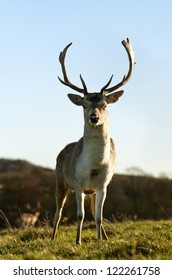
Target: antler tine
<point>130,52</point>
<point>66,81</point>
<point>83,83</point>
<point>108,83</point>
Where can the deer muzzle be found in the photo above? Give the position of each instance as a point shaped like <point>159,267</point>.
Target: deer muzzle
<point>93,119</point>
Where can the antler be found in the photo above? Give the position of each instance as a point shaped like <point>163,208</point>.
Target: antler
<point>66,81</point>
<point>130,52</point>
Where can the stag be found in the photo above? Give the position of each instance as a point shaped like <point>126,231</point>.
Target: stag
<point>87,166</point>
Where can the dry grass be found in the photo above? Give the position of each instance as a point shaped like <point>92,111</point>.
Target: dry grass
<point>127,240</point>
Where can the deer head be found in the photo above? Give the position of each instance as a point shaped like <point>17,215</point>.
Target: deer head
<point>95,103</point>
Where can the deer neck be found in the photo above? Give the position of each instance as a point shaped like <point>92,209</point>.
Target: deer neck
<point>96,142</point>
<point>98,133</point>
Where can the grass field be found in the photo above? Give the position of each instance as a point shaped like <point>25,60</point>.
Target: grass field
<point>127,240</point>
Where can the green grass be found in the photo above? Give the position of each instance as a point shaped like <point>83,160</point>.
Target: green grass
<point>127,240</point>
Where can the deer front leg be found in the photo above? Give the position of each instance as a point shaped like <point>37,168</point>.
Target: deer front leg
<point>80,214</point>
<point>100,198</point>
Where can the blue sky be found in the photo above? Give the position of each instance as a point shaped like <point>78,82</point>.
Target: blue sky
<point>36,118</point>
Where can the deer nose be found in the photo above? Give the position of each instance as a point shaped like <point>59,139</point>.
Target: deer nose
<point>94,118</point>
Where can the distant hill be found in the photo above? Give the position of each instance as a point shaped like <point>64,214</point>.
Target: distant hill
<point>19,166</point>
<point>24,186</point>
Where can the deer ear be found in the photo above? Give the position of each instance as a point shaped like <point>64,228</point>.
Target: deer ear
<point>76,99</point>
<point>113,97</point>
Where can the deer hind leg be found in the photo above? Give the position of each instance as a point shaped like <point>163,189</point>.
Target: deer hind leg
<point>100,198</point>
<point>61,195</point>
<point>80,214</point>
